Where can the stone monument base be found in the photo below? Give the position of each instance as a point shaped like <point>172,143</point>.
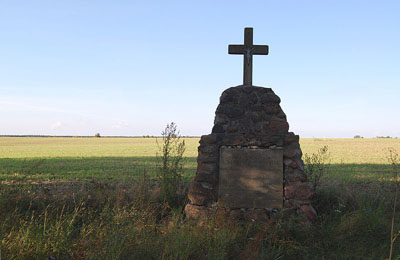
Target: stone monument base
<point>250,166</point>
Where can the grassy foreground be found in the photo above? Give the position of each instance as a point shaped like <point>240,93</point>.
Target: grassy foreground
<point>96,198</point>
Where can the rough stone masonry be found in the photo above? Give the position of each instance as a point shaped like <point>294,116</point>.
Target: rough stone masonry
<point>250,166</point>
<point>250,117</point>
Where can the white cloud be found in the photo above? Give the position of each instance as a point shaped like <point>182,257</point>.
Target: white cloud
<point>120,124</point>
<point>56,125</point>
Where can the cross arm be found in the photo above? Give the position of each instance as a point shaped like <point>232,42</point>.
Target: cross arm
<point>239,49</point>
<point>236,49</point>
<point>260,49</point>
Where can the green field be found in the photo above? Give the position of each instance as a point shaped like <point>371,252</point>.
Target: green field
<point>59,159</point>
<point>98,198</point>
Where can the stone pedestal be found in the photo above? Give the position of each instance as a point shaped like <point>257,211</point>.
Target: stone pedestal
<point>239,167</point>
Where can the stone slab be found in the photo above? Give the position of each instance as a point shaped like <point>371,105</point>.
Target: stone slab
<point>250,178</point>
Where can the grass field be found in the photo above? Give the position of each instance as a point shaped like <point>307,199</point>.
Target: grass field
<point>93,198</point>
<point>60,159</point>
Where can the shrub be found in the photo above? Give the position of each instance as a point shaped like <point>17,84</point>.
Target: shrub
<point>170,163</point>
<point>316,165</point>
<point>97,135</point>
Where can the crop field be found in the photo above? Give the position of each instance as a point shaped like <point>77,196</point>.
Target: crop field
<point>98,198</point>
<point>27,160</point>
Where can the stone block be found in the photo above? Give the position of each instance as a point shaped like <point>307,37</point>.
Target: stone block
<point>291,139</point>
<point>198,198</point>
<point>236,140</point>
<point>208,148</point>
<point>221,119</point>
<point>207,158</point>
<point>270,98</point>
<point>281,115</point>
<point>295,175</point>
<point>288,162</point>
<point>218,128</point>
<point>233,91</point>
<point>268,140</point>
<point>292,203</point>
<point>207,167</point>
<point>226,98</point>
<point>262,90</point>
<point>248,100</point>
<point>196,212</point>
<point>294,145</point>
<point>279,126</point>
<point>309,211</point>
<point>206,178</point>
<point>199,195</point>
<point>232,129</point>
<point>272,110</point>
<point>299,163</point>
<point>291,152</point>
<point>255,117</point>
<point>257,108</point>
<point>207,185</point>
<point>232,111</point>
<point>294,164</point>
<point>209,139</point>
<point>301,191</point>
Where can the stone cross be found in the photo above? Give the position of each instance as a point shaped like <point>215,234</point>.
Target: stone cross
<point>248,50</point>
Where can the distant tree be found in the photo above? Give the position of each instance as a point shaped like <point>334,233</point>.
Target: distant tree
<point>358,136</point>
<point>97,135</point>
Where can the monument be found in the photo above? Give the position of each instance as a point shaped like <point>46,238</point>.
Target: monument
<point>250,166</point>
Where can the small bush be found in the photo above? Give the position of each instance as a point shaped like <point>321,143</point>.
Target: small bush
<point>97,135</point>
<point>170,164</point>
<point>316,165</point>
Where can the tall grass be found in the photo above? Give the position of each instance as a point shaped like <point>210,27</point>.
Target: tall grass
<point>122,221</point>
<point>393,158</point>
<point>106,225</point>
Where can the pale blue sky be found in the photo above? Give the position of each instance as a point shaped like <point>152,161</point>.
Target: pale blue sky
<point>130,67</point>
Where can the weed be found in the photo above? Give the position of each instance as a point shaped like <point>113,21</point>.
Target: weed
<point>171,164</point>
<point>316,165</point>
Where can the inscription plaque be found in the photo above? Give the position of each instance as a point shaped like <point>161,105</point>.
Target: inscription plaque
<point>251,178</point>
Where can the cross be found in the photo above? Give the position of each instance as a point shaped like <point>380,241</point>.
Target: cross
<point>248,50</point>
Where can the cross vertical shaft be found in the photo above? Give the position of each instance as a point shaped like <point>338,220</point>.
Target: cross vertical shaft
<point>248,57</point>
<point>248,50</point>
